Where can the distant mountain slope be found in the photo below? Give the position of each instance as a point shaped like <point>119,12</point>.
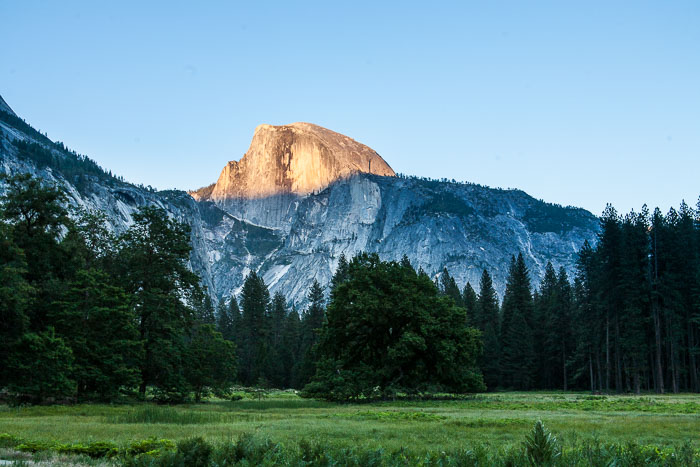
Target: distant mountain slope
<point>292,233</point>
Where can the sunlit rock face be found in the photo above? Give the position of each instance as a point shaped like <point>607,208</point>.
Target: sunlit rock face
<point>296,159</point>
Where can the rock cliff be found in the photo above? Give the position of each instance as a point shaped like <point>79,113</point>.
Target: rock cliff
<point>303,195</point>
<point>296,159</point>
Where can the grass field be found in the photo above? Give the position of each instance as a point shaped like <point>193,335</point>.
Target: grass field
<point>499,419</point>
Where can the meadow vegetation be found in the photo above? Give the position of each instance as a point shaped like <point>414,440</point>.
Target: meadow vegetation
<point>498,426</point>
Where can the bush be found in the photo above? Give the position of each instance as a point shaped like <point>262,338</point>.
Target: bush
<point>9,441</point>
<point>34,446</point>
<point>195,452</point>
<point>150,446</point>
<point>541,446</point>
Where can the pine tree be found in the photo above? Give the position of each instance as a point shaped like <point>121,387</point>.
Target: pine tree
<point>153,258</point>
<point>254,349</point>
<point>448,287</point>
<point>205,311</point>
<point>341,272</point>
<point>518,356</point>
<point>311,323</point>
<point>226,317</point>
<point>39,369</point>
<point>15,297</point>
<point>210,361</point>
<point>291,342</point>
<point>278,320</point>
<point>563,326</point>
<point>544,334</point>
<point>94,320</point>
<point>469,299</point>
<point>488,317</point>
<point>35,218</point>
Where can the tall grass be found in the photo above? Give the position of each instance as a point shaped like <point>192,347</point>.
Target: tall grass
<point>499,420</point>
<point>174,416</point>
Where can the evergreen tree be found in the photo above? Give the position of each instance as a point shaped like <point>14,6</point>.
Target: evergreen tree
<point>388,330</point>
<point>254,354</point>
<point>35,218</point>
<point>563,327</point>
<point>153,258</point>
<point>311,323</point>
<point>278,320</point>
<point>15,296</point>
<point>205,311</point>
<point>546,308</point>
<point>210,361</point>
<point>39,369</point>
<point>229,320</point>
<point>518,357</point>
<point>448,287</point>
<point>291,343</point>
<point>341,272</point>
<point>94,320</point>
<point>488,317</point>
<point>469,299</point>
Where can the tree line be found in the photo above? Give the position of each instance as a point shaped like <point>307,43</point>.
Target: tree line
<point>629,321</point>
<point>86,314</point>
<point>89,315</point>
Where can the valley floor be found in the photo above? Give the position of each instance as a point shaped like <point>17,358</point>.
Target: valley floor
<point>498,419</point>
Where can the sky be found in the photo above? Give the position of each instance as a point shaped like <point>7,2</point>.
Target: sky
<point>576,103</point>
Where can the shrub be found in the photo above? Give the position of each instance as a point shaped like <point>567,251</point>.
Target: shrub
<point>149,446</point>
<point>541,446</point>
<point>9,441</point>
<point>195,452</point>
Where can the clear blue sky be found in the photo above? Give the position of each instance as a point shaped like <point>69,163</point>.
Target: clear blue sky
<point>579,103</point>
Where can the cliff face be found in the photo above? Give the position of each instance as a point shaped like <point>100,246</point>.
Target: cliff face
<point>296,159</point>
<point>291,227</point>
<point>463,227</point>
<point>307,191</point>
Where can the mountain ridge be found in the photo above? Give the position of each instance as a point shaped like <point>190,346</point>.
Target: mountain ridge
<point>292,238</point>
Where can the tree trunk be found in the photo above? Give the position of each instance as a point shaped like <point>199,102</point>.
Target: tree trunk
<point>618,359</point>
<point>658,373</point>
<point>693,370</point>
<point>590,372</point>
<point>563,363</point>
<point>607,352</point>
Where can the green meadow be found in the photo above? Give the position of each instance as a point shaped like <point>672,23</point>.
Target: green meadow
<point>497,420</point>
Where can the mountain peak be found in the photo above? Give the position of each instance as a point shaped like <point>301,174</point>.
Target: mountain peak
<point>298,158</point>
<point>6,108</point>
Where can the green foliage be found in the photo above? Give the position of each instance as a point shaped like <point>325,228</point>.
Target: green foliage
<point>89,315</point>
<point>39,369</point>
<point>94,320</point>
<point>254,349</point>
<point>388,330</point>
<point>149,446</point>
<point>210,361</point>
<point>194,452</point>
<point>15,296</point>
<point>311,323</point>
<point>487,319</point>
<point>546,217</point>
<point>541,446</point>
<point>518,357</point>
<point>152,267</point>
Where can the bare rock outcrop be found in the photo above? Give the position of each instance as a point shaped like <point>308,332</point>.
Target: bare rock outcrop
<point>298,159</point>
